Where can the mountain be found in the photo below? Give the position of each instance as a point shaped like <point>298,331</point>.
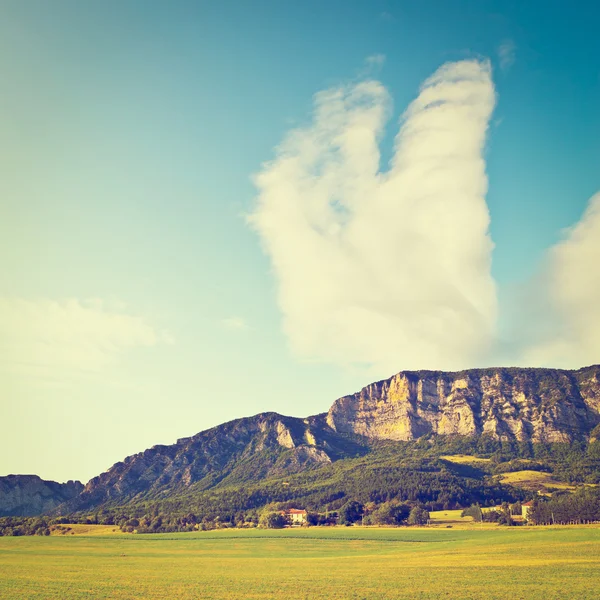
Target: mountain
<point>248,449</point>
<point>527,405</point>
<point>386,441</point>
<point>28,495</point>
<point>502,404</point>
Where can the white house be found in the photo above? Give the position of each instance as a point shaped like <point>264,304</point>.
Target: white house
<point>295,516</point>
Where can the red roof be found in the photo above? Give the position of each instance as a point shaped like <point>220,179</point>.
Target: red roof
<point>295,511</point>
<point>530,503</point>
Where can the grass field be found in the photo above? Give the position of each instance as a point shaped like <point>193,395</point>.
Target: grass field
<point>316,563</point>
<point>450,517</point>
<point>465,459</point>
<point>81,529</point>
<point>534,480</point>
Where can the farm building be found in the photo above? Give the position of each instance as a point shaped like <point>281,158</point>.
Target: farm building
<point>525,509</point>
<point>295,516</point>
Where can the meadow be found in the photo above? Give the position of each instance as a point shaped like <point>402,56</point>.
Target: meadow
<point>337,562</point>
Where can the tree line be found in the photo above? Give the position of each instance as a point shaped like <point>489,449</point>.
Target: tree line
<point>565,508</point>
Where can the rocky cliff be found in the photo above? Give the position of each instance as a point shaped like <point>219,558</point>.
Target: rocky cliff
<point>28,495</point>
<point>246,449</point>
<point>537,405</point>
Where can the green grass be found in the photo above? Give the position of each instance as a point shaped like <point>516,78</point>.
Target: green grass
<point>463,459</point>
<point>534,480</point>
<point>449,516</point>
<point>315,563</point>
<point>81,529</point>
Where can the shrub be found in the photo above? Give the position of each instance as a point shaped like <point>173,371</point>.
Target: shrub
<point>272,520</point>
<point>418,516</point>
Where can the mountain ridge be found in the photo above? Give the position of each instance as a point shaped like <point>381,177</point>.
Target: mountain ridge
<point>524,404</point>
<point>509,405</point>
<point>273,444</point>
<point>535,404</point>
<point>29,495</point>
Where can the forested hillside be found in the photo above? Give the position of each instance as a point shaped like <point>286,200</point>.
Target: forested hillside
<point>392,441</point>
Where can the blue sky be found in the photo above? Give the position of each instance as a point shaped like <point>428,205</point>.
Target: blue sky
<point>139,303</point>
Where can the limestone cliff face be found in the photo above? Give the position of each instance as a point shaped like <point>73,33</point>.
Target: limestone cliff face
<point>538,405</point>
<point>28,495</point>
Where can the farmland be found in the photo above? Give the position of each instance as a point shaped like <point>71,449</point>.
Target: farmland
<point>336,562</point>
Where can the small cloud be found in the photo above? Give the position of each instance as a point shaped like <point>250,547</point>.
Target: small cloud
<point>506,54</point>
<point>60,339</point>
<point>235,324</point>
<point>375,60</point>
<point>386,16</point>
<point>371,66</point>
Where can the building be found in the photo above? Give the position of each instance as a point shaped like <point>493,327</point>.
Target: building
<point>295,516</point>
<point>525,509</point>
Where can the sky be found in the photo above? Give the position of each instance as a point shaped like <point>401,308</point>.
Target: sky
<point>214,209</point>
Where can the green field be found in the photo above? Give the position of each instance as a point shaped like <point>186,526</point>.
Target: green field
<point>515,563</point>
<point>465,459</point>
<point>536,480</point>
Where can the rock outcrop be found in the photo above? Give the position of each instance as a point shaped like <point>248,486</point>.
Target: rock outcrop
<point>537,405</point>
<point>28,495</point>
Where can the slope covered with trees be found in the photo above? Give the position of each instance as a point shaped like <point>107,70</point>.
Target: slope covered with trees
<point>392,442</point>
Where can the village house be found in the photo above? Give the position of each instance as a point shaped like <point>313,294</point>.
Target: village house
<point>295,516</point>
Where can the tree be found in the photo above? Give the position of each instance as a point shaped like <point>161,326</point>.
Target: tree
<point>492,516</point>
<point>351,512</point>
<point>390,513</point>
<point>473,511</point>
<point>418,516</point>
<point>505,518</point>
<point>272,520</point>
<point>312,518</point>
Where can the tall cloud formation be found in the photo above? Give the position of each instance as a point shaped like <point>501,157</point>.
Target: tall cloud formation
<point>564,322</point>
<point>385,268</point>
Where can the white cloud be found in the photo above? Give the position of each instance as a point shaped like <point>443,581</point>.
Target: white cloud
<point>372,65</point>
<point>235,324</point>
<point>375,60</point>
<point>564,311</point>
<point>506,54</point>
<point>390,269</point>
<point>57,339</point>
